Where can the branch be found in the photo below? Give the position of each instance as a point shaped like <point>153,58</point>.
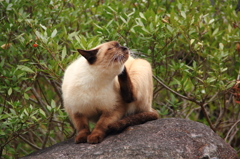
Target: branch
<point>54,84</point>
<point>231,129</point>
<point>174,92</point>
<point>31,144</point>
<point>206,115</point>
<point>48,131</point>
<point>39,99</point>
<point>201,104</point>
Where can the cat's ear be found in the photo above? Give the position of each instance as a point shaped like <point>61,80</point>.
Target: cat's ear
<point>90,55</point>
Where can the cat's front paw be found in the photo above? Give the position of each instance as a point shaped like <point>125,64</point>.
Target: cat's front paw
<point>95,138</point>
<point>81,138</point>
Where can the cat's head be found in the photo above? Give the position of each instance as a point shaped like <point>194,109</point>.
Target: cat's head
<point>109,54</point>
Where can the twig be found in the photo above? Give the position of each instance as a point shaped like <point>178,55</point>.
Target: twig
<point>225,105</point>
<point>37,136</point>
<point>34,101</point>
<point>33,90</point>
<point>45,46</point>
<point>211,99</point>
<point>31,144</point>
<point>207,117</point>
<point>53,83</point>
<point>231,129</point>
<point>54,19</point>
<point>42,92</point>
<point>202,104</point>
<point>48,131</point>
<point>233,136</point>
<point>174,92</point>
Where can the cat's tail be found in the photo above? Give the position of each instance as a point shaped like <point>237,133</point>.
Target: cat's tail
<point>131,120</point>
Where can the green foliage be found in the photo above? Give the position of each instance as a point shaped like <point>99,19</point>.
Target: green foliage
<point>190,44</point>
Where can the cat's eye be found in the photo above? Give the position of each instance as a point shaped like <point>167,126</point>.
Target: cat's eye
<point>110,48</point>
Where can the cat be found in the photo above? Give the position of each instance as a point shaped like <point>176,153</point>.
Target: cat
<point>106,85</point>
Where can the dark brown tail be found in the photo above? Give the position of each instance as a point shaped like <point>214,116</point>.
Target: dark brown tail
<point>131,120</point>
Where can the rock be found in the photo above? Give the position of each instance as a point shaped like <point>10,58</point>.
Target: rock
<point>160,139</point>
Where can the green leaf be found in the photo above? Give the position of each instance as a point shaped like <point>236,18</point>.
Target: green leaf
<point>211,21</point>
<point>26,112</point>
<point>54,33</point>
<point>223,69</point>
<point>221,46</point>
<point>194,65</point>
<point>42,112</point>
<point>215,31</point>
<point>25,68</point>
<point>183,14</point>
<point>108,24</point>
<point>2,133</point>
<point>3,116</point>
<point>53,104</point>
<point>9,91</point>
<point>192,41</point>
<point>38,34</point>
<point>112,9</point>
<point>43,27</point>
<point>13,111</point>
<point>144,29</point>
<point>170,28</point>
<point>9,7</point>
<point>26,96</point>
<point>123,19</point>
<point>142,16</point>
<point>211,79</point>
<point>139,22</point>
<point>49,108</point>
<point>2,62</point>
<point>64,52</point>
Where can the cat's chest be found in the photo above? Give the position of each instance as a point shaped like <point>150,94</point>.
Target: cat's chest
<point>89,91</point>
<point>97,94</point>
<point>92,98</point>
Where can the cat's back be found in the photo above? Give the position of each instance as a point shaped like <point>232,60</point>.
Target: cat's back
<point>140,73</point>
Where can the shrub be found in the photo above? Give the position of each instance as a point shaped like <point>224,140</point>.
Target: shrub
<point>190,44</point>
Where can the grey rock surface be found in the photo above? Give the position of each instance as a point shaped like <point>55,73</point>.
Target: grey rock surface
<point>170,138</point>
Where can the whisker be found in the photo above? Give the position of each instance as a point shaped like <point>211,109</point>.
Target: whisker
<point>118,60</point>
<point>117,57</point>
<point>112,60</point>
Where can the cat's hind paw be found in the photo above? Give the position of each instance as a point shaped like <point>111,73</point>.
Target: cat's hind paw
<point>116,127</point>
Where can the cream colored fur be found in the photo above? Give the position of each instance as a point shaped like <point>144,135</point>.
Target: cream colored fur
<point>94,89</point>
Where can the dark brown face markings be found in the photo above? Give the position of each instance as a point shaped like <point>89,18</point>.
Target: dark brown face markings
<point>126,86</point>
<point>117,44</point>
<point>124,48</point>
<point>90,55</point>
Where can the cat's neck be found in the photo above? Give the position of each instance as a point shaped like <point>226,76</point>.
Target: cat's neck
<point>100,74</point>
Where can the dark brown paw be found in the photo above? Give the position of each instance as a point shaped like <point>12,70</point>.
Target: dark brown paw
<point>81,138</point>
<point>95,138</point>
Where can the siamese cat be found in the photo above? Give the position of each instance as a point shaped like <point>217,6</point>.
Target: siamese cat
<point>109,87</point>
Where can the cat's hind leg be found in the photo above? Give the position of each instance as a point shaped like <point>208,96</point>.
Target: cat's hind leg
<point>131,120</point>
<point>101,128</point>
